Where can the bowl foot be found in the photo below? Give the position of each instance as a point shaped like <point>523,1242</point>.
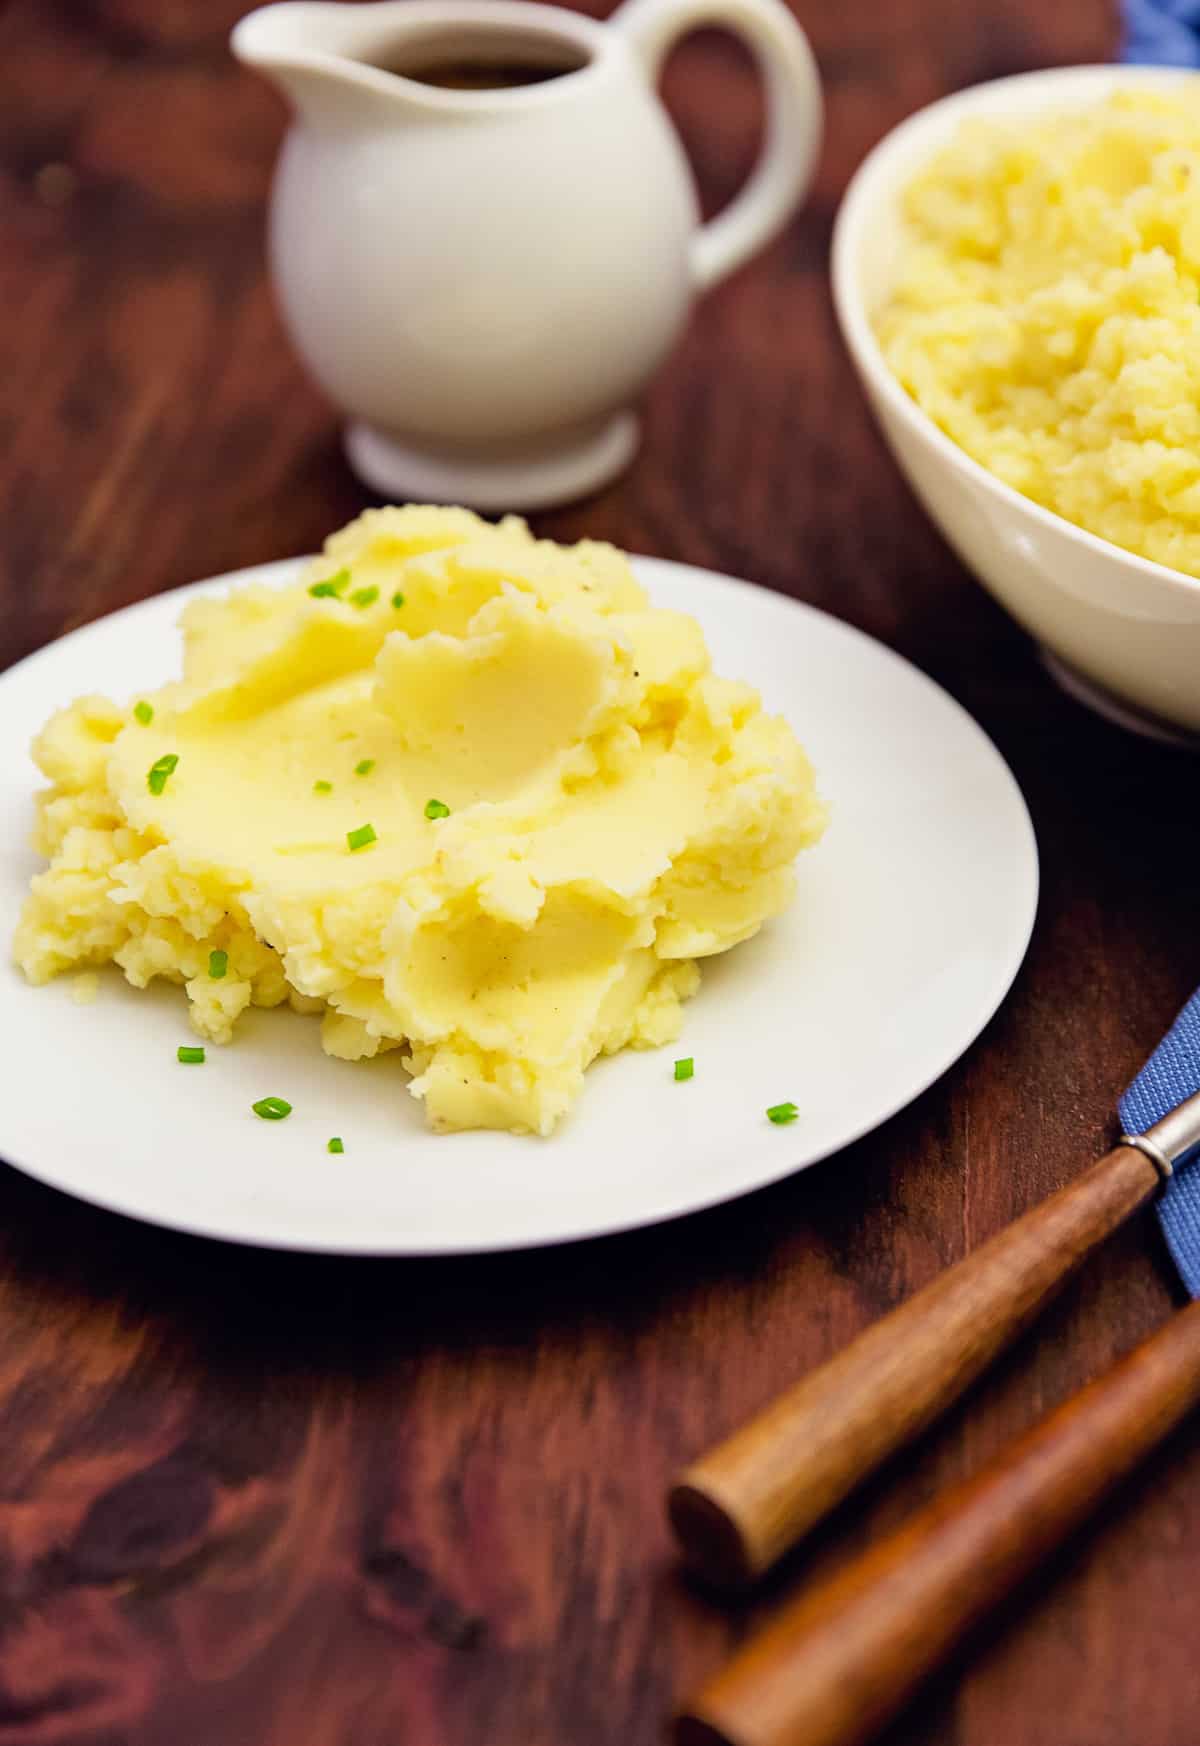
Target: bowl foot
<point>1115,709</point>
<point>534,475</point>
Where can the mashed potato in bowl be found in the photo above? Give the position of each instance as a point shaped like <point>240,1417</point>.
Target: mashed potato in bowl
<point>1046,312</point>
<point>466,794</point>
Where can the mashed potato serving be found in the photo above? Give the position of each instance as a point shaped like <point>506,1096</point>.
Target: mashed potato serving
<point>465,793</point>
<point>1047,313</point>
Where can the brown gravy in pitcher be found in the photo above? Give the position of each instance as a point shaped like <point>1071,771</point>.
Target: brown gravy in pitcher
<point>478,75</point>
<point>481,60</point>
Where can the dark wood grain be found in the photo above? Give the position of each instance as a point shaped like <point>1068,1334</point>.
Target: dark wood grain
<point>254,1500</point>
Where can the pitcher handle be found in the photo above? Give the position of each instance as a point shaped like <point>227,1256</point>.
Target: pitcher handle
<point>793,123</point>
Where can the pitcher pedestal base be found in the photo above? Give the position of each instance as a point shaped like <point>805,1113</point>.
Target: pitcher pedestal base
<point>522,476</point>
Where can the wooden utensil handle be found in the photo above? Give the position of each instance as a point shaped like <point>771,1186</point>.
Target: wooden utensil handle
<point>741,1506</point>
<point>842,1658</point>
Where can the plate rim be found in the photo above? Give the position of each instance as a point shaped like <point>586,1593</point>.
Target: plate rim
<point>279,570</point>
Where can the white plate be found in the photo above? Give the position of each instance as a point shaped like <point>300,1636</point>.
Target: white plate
<point>910,922</point>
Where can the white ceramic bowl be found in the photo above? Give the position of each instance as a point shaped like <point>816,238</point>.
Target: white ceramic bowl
<point>1126,630</point>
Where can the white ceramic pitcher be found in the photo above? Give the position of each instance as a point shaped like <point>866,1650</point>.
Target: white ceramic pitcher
<point>485,279</point>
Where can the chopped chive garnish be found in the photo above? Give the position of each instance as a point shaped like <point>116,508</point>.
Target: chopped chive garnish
<point>362,837</point>
<point>322,787</point>
<point>335,1145</point>
<point>364,766</point>
<point>364,597</point>
<point>218,963</point>
<point>331,588</point>
<point>162,767</point>
<point>189,1057</point>
<point>684,1069</point>
<point>397,599</point>
<point>436,809</point>
<point>144,712</point>
<point>271,1109</point>
<point>782,1113</point>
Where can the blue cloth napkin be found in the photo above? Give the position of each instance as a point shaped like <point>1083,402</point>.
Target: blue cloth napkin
<point>1163,33</point>
<point>1171,1074</point>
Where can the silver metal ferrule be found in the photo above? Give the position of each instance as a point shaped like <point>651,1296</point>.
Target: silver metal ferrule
<point>1167,1140</point>
<point>1160,1161</point>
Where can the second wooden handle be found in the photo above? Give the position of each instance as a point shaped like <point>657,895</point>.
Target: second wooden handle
<point>740,1507</point>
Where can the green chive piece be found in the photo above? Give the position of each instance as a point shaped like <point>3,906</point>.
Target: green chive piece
<point>144,713</point>
<point>331,588</point>
<point>362,837</point>
<point>364,766</point>
<point>218,963</point>
<point>322,787</point>
<point>397,600</point>
<point>189,1057</point>
<point>335,1145</point>
<point>156,779</point>
<point>686,1068</point>
<point>436,809</point>
<point>782,1113</point>
<point>271,1109</point>
<point>364,597</point>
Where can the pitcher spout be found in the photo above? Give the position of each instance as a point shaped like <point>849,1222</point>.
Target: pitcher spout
<point>319,54</point>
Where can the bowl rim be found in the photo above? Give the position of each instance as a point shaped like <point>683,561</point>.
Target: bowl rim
<point>935,120</point>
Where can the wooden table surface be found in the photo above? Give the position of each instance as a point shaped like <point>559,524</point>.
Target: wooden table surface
<point>260,1500</point>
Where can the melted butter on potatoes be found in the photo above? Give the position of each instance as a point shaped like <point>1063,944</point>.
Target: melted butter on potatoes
<point>615,812</point>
